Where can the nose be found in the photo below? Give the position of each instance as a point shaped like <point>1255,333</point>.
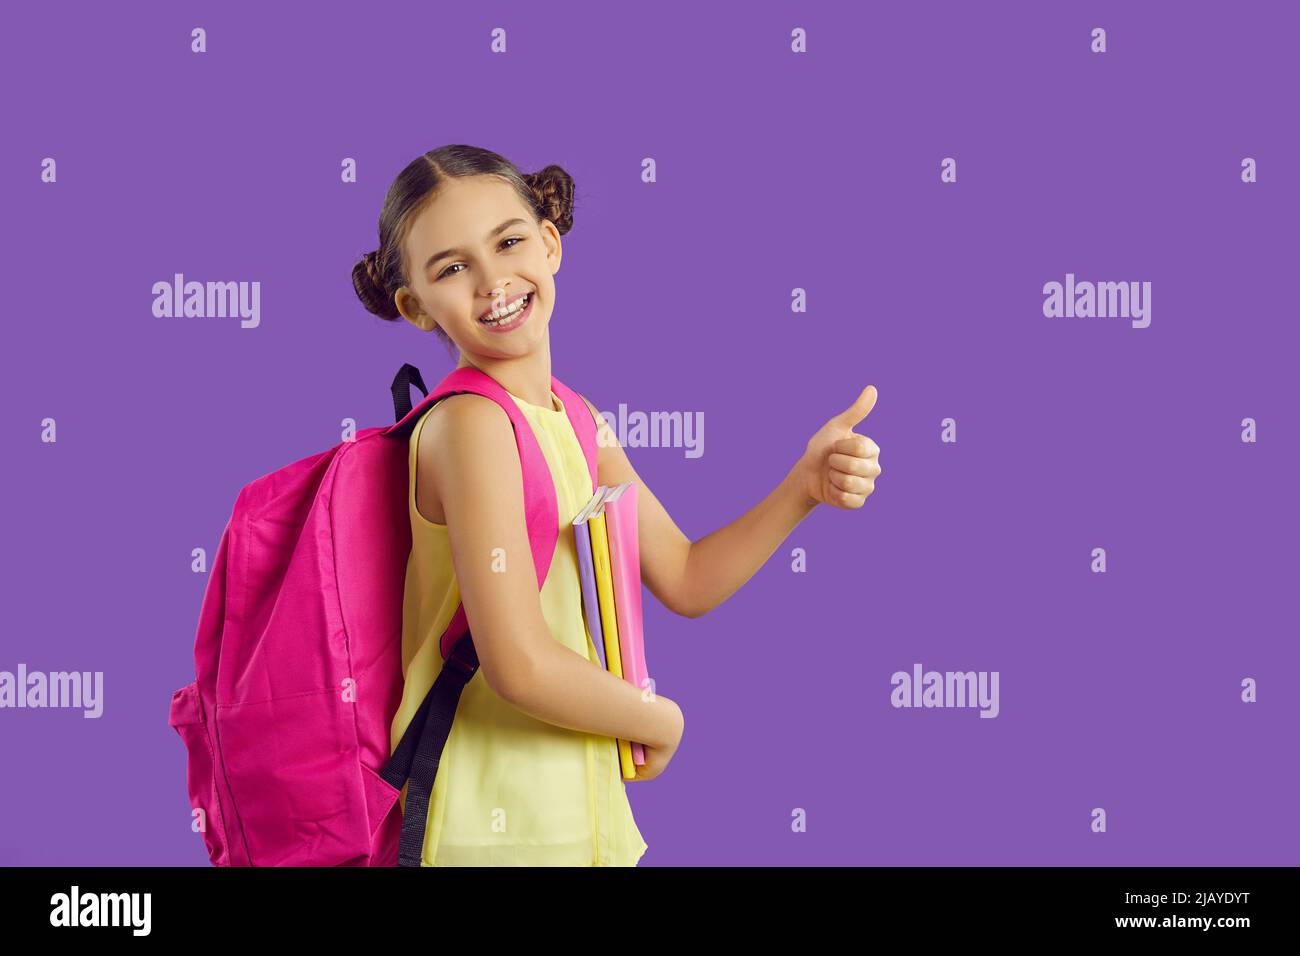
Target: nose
<point>498,292</point>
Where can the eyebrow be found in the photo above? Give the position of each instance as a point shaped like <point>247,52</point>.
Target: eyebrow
<point>491,235</point>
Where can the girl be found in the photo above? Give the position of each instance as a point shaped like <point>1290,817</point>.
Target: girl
<point>468,249</point>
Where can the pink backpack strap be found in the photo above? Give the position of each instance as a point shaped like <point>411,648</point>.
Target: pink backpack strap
<point>541,509</point>
<point>584,425</point>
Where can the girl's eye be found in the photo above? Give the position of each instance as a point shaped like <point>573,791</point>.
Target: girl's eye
<point>514,239</point>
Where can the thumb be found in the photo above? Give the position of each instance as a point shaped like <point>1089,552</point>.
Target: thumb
<point>859,409</point>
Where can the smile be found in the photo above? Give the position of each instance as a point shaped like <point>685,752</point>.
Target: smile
<point>510,316</point>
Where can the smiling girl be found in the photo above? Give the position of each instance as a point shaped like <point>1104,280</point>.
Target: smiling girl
<point>468,250</point>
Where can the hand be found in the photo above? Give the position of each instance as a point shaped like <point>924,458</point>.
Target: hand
<point>656,758</point>
<point>656,761</point>
<point>839,466</point>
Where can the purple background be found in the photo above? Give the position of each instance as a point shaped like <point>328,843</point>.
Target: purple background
<point>775,171</point>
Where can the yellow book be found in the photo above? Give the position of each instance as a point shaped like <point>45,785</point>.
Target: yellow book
<point>609,620</point>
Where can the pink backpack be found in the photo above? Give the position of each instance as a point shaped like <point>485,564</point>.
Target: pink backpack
<point>299,649</point>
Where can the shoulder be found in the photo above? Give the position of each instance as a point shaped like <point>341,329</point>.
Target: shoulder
<point>594,414</point>
<point>464,419</point>
<point>466,407</point>
<point>602,428</point>
<point>611,459</point>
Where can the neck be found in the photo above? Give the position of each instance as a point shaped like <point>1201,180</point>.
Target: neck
<point>525,376</point>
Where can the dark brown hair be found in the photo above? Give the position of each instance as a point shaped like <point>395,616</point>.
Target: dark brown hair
<point>548,193</point>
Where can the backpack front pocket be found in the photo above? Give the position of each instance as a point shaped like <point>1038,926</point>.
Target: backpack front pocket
<point>293,770</point>
<point>186,715</point>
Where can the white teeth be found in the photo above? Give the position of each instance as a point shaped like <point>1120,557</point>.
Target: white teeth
<point>498,314</point>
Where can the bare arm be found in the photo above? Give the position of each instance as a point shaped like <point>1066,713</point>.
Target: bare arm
<point>469,445</point>
<point>721,562</point>
<point>692,578</point>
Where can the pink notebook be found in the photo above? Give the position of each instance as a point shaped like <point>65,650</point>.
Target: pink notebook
<point>625,557</point>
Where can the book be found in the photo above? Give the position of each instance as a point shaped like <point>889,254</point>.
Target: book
<point>603,606</point>
<point>619,507</point>
<point>587,575</point>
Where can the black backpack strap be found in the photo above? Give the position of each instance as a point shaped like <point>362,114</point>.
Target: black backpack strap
<point>415,761</point>
<point>407,376</point>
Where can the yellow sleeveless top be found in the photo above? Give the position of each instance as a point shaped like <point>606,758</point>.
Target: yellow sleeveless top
<point>512,790</point>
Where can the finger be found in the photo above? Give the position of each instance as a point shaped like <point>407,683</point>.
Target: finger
<point>854,465</point>
<point>853,484</point>
<point>847,499</point>
<point>859,446</point>
<point>859,409</point>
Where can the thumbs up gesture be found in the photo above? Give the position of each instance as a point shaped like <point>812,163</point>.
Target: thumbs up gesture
<point>839,466</point>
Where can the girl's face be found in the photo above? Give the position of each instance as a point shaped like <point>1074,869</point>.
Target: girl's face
<point>476,249</point>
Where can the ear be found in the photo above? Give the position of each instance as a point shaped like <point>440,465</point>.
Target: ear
<point>412,311</point>
<point>554,246</point>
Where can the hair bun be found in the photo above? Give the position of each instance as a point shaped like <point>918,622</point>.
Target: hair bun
<point>368,281</point>
<point>553,189</point>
